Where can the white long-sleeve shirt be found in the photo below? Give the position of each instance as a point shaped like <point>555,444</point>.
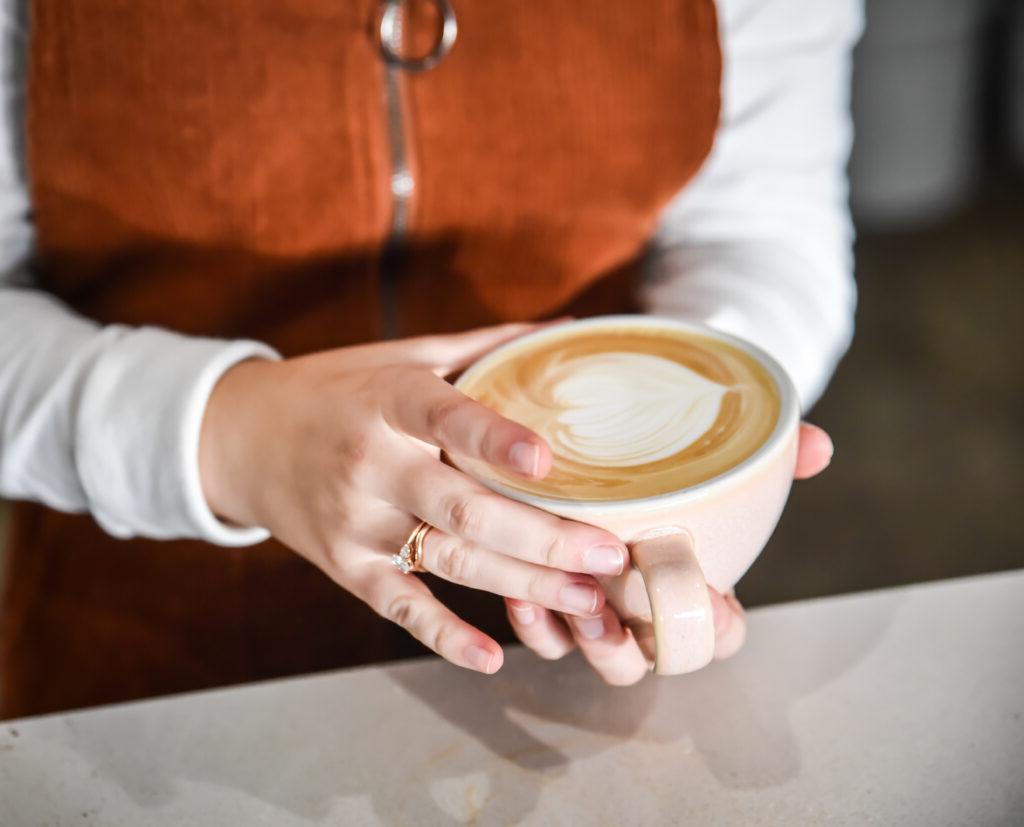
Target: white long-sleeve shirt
<point>107,419</point>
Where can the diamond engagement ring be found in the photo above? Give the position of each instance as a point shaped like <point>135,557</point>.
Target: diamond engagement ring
<point>408,558</point>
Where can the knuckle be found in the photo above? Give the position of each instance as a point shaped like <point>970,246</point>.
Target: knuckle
<point>353,460</point>
<point>554,551</point>
<point>455,562</point>
<point>354,450</point>
<point>464,516</point>
<point>553,651</point>
<point>440,417</point>
<point>336,553</point>
<point>402,610</point>
<point>443,640</point>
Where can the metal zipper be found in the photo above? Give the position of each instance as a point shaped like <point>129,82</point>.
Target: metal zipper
<point>402,182</point>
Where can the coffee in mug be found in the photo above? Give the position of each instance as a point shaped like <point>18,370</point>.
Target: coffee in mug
<point>677,438</point>
<point>630,411</point>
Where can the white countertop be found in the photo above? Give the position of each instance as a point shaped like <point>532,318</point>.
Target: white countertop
<point>903,706</point>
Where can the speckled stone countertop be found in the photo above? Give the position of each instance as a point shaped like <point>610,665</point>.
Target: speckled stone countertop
<point>903,706</point>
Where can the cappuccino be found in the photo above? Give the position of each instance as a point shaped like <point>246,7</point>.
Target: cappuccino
<point>629,411</point>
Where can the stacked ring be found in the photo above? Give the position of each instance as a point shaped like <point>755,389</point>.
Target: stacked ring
<point>409,555</point>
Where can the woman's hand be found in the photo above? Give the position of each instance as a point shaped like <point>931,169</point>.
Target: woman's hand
<point>337,454</point>
<point>610,647</point>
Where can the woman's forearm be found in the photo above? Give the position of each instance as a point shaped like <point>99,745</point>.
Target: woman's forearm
<point>760,243</point>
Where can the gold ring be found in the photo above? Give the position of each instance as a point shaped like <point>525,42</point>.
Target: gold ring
<point>409,555</point>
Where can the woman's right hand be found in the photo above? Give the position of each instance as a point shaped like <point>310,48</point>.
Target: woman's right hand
<point>337,454</point>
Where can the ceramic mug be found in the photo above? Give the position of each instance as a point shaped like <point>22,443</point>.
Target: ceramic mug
<point>681,542</point>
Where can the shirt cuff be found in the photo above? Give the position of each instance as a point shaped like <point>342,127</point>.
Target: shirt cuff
<point>207,524</point>
<point>137,445</point>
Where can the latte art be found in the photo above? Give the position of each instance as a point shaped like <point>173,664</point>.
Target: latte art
<point>620,409</point>
<point>629,412</point>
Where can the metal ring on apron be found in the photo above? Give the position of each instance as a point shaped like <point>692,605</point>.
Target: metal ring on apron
<point>390,35</point>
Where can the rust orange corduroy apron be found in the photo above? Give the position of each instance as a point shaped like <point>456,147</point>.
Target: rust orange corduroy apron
<point>224,169</point>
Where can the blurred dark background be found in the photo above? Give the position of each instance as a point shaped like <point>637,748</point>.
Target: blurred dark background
<point>927,409</point>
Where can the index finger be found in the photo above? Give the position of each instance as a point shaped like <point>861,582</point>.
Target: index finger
<point>431,410</point>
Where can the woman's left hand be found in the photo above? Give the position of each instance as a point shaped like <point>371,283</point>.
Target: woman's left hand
<point>607,644</point>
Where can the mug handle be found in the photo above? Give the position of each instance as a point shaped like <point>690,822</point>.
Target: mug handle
<point>684,630</point>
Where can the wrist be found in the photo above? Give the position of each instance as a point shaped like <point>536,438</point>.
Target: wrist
<point>230,440</point>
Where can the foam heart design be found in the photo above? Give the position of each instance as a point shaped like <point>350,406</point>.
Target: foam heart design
<point>623,409</point>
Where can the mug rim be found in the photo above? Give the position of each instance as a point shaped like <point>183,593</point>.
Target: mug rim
<point>789,415</point>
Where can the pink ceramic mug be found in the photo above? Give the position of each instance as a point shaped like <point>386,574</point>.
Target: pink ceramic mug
<point>683,541</point>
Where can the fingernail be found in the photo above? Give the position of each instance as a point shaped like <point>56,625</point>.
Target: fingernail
<point>590,627</point>
<point>828,439</point>
<point>604,559</point>
<point>579,598</point>
<point>479,658</point>
<point>525,615</point>
<point>525,458</point>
